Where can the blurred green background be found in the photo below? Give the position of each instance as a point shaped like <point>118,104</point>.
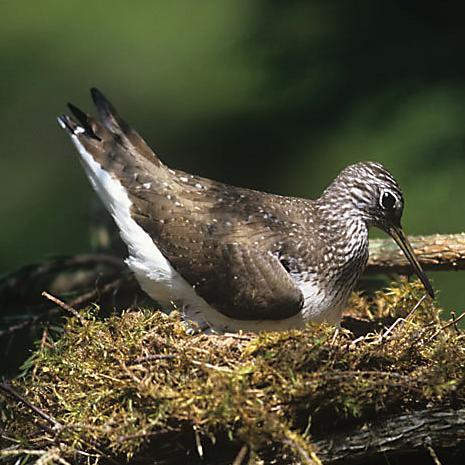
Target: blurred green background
<point>273,95</point>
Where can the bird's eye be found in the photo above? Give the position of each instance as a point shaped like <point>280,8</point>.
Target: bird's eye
<point>387,200</point>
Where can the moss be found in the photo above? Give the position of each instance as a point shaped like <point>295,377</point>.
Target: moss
<point>119,385</point>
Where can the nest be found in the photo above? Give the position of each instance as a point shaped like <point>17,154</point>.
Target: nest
<point>134,386</point>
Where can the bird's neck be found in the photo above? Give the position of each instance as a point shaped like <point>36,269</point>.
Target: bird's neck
<point>345,233</point>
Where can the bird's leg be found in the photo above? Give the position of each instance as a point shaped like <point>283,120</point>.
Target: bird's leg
<point>194,323</point>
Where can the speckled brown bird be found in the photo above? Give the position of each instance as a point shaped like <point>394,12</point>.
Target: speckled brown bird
<point>235,258</point>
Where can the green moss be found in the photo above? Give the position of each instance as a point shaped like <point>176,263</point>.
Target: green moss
<point>136,380</point>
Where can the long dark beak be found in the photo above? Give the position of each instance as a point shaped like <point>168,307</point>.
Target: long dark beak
<point>398,235</point>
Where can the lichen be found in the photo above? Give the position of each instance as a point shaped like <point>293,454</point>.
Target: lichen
<point>120,386</point>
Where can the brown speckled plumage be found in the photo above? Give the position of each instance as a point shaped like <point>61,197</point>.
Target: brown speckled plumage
<point>244,252</point>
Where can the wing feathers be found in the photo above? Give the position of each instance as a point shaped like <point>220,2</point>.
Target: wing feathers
<point>112,121</point>
<point>107,113</point>
<point>109,129</point>
<point>86,120</point>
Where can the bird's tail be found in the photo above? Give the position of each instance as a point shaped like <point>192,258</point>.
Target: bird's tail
<point>108,139</point>
<point>121,167</point>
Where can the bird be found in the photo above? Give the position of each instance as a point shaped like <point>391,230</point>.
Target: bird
<point>232,258</point>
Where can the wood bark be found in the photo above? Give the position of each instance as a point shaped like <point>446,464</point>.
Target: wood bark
<point>401,439</point>
<point>435,253</point>
<point>439,431</point>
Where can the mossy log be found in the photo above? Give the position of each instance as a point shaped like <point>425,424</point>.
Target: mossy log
<point>135,388</point>
<point>374,393</point>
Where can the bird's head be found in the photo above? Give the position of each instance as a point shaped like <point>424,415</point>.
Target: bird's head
<point>368,190</point>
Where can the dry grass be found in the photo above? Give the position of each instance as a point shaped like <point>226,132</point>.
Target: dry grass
<point>135,385</point>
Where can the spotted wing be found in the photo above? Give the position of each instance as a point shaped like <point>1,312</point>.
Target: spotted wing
<point>247,284</point>
<point>223,249</point>
<point>239,280</point>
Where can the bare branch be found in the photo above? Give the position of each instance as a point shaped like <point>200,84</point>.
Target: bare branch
<point>437,252</point>
<point>63,305</point>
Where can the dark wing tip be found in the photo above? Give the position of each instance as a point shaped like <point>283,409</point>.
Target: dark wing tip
<point>77,112</point>
<point>108,114</point>
<point>96,93</point>
<point>84,119</point>
<point>101,102</point>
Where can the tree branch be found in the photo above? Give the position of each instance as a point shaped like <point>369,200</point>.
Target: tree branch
<point>436,252</point>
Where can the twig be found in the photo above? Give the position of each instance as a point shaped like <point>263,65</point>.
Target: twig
<point>149,358</point>
<point>87,454</point>
<point>88,296</point>
<point>212,367</point>
<point>83,298</point>
<point>5,387</point>
<point>128,372</point>
<point>307,458</point>
<point>386,333</point>
<point>335,335</point>
<point>241,455</point>
<point>59,263</point>
<point>43,341</point>
<point>417,305</point>
<point>56,425</point>
<point>454,321</point>
<point>442,328</point>
<point>242,337</point>
<point>15,452</point>
<point>431,451</point>
<point>19,326</point>
<point>401,321</point>
<point>63,305</point>
<point>198,441</point>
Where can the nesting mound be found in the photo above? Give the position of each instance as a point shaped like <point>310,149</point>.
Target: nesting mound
<point>134,387</point>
